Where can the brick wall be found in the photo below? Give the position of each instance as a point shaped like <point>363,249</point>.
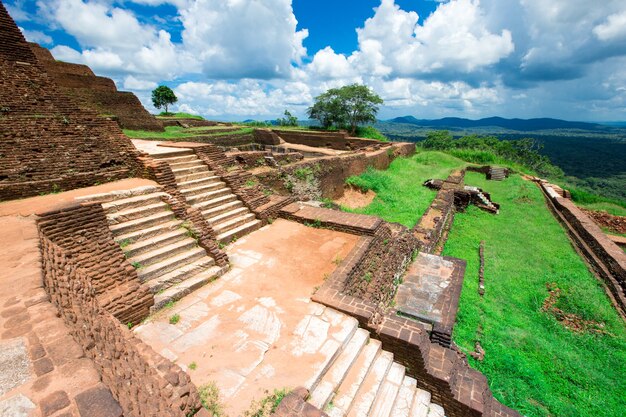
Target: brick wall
<point>98,94</point>
<point>332,140</point>
<point>606,258</point>
<point>332,172</point>
<point>47,143</point>
<point>83,275</point>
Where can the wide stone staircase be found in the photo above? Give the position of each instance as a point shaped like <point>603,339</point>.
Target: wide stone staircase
<point>167,257</point>
<point>363,380</point>
<point>206,191</point>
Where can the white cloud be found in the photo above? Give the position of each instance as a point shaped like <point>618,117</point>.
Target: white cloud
<point>132,83</point>
<point>613,28</point>
<point>36,36</point>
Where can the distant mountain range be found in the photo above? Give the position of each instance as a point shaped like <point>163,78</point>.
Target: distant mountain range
<point>512,124</point>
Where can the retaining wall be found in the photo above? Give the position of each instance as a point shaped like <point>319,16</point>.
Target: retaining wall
<point>332,140</point>
<point>79,261</point>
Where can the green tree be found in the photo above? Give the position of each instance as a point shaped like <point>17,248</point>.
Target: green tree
<point>289,120</point>
<point>163,96</point>
<point>349,106</point>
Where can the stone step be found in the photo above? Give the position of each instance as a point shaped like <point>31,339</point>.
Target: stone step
<point>177,159</point>
<point>215,202</point>
<point>333,347</point>
<point>135,213</point>
<point>222,208</point>
<point>165,281</point>
<point>209,195</point>
<point>368,391</point>
<point>197,183</point>
<point>181,172</point>
<point>142,223</point>
<point>204,188</point>
<point>186,164</point>
<point>345,394</point>
<point>186,287</point>
<point>322,394</point>
<point>236,233</point>
<point>148,233</point>
<point>193,176</point>
<point>230,224</point>
<point>160,254</point>
<point>404,399</point>
<point>435,410</point>
<point>170,264</point>
<point>154,242</point>
<point>386,397</point>
<point>421,401</point>
<point>225,216</point>
<point>175,154</point>
<point>132,202</point>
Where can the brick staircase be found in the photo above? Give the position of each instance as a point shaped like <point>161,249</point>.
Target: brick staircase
<point>496,174</point>
<point>362,380</point>
<point>167,258</point>
<point>206,191</point>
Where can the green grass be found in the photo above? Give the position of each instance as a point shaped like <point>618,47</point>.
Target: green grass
<point>610,208</point>
<point>178,132</point>
<point>532,362</point>
<point>400,196</point>
<point>370,132</point>
<point>164,115</point>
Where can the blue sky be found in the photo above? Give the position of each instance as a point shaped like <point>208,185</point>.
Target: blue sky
<point>239,59</point>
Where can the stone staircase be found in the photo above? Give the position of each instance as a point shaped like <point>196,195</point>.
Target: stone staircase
<point>497,173</point>
<point>362,380</point>
<point>167,257</point>
<point>206,191</point>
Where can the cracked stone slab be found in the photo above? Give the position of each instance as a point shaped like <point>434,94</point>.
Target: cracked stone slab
<point>16,406</point>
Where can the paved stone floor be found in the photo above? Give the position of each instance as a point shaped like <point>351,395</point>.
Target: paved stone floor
<point>255,329</point>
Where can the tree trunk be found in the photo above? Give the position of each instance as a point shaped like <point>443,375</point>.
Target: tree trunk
<point>166,112</point>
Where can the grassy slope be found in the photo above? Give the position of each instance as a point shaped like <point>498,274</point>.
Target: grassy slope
<point>533,364</point>
<point>400,196</point>
<point>177,132</point>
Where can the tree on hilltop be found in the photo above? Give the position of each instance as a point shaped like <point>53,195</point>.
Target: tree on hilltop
<point>163,96</point>
<point>349,106</point>
<point>289,120</point>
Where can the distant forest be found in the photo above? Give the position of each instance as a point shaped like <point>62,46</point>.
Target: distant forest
<point>593,159</point>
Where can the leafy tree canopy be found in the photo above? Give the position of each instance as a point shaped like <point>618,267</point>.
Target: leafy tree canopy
<point>289,120</point>
<point>163,96</point>
<point>348,106</point>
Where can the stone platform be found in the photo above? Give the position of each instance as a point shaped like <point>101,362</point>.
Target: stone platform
<point>255,329</point>
<point>430,293</point>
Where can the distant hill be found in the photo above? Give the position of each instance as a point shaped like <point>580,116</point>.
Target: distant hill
<point>513,124</point>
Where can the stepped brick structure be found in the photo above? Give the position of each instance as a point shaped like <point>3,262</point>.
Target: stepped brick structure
<point>97,93</point>
<point>47,143</point>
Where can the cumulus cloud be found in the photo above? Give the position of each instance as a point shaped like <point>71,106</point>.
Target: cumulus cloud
<point>36,36</point>
<point>613,28</point>
<point>132,83</point>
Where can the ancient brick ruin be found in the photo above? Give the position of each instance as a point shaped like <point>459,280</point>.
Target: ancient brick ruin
<point>98,94</point>
<point>105,271</point>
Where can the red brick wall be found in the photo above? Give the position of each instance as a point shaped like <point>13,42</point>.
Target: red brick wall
<point>47,143</point>
<point>87,278</point>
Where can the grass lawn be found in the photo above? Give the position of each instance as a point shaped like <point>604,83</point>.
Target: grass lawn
<point>610,208</point>
<point>178,132</point>
<point>400,195</point>
<point>532,362</point>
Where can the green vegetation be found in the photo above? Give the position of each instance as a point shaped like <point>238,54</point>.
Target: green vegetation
<point>289,120</point>
<point>533,363</point>
<point>179,115</point>
<point>348,106</point>
<point>163,96</point>
<point>175,319</point>
<point>193,366</point>
<point>400,196</point>
<point>178,132</point>
<point>370,132</point>
<point>268,405</point>
<point>599,203</point>
<point>210,399</point>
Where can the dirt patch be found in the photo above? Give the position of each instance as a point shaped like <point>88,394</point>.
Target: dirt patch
<point>569,320</point>
<point>354,198</point>
<point>615,224</point>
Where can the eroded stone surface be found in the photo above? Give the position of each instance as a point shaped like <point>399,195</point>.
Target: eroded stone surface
<point>255,329</point>
<point>16,406</point>
<point>14,364</point>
